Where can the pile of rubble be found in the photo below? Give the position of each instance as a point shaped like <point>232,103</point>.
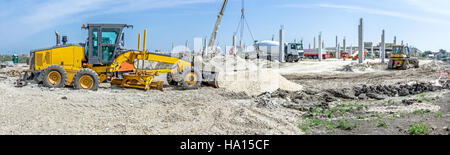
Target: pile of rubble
<point>13,73</point>
<point>268,100</point>
<point>375,92</point>
<point>356,67</point>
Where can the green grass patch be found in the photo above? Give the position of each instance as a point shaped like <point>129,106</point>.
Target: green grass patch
<point>419,129</point>
<point>422,111</point>
<point>387,102</point>
<point>392,117</point>
<point>361,117</point>
<point>348,108</point>
<point>439,114</point>
<point>311,123</point>
<point>346,125</point>
<point>424,98</point>
<point>382,124</point>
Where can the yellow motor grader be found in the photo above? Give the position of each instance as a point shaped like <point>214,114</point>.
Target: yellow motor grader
<point>401,58</point>
<point>102,59</point>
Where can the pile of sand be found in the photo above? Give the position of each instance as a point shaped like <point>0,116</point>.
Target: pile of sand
<point>251,77</point>
<point>256,82</point>
<point>227,63</point>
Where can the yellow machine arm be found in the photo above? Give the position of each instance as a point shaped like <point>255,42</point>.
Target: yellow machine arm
<point>131,57</point>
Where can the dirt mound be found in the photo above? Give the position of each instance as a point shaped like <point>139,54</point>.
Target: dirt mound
<point>226,63</point>
<point>436,66</point>
<point>357,67</point>
<point>253,77</point>
<point>256,82</point>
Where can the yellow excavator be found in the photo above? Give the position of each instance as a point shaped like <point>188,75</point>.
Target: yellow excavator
<point>401,58</point>
<point>103,59</point>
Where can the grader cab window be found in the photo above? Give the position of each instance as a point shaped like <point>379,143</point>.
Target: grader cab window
<point>398,50</point>
<point>95,42</point>
<point>407,51</point>
<point>109,40</point>
<point>103,42</point>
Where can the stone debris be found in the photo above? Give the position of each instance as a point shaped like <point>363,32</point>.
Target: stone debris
<point>374,92</point>
<point>356,67</point>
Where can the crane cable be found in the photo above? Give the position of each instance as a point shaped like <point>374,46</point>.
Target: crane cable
<point>242,24</point>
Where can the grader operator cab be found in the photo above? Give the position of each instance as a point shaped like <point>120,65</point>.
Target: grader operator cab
<point>103,59</point>
<point>401,58</point>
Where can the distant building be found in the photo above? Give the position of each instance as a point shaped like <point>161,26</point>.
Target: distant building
<point>9,63</point>
<point>439,55</point>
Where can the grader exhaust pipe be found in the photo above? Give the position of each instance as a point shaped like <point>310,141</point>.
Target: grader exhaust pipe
<point>58,40</point>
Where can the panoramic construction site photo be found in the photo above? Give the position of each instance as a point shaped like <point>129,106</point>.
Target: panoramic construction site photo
<point>224,67</point>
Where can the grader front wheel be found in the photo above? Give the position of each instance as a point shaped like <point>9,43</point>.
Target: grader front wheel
<point>86,79</point>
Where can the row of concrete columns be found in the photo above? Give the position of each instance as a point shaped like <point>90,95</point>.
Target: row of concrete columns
<point>361,48</point>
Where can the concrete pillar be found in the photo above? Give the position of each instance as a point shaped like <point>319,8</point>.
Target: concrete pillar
<point>314,43</point>
<point>344,45</point>
<point>173,46</point>
<point>383,47</point>
<point>373,52</point>
<point>338,53</point>
<point>323,44</point>
<point>320,47</point>
<point>281,49</point>
<point>361,42</point>
<point>351,50</point>
<point>395,40</point>
<point>337,48</point>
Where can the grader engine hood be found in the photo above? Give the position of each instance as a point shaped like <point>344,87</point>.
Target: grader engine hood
<point>398,56</point>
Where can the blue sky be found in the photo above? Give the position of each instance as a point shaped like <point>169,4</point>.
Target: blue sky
<point>30,24</point>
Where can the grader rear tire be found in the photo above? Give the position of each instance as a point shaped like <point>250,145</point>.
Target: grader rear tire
<point>405,65</point>
<point>391,64</point>
<point>54,76</point>
<point>415,62</point>
<point>191,78</point>
<point>171,79</point>
<point>86,79</point>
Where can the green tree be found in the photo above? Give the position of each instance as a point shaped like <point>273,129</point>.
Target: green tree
<point>442,51</point>
<point>426,53</point>
<point>6,58</point>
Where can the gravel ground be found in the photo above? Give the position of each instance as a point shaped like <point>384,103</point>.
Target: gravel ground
<point>37,110</point>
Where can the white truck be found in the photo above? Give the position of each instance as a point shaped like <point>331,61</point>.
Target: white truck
<point>269,50</point>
